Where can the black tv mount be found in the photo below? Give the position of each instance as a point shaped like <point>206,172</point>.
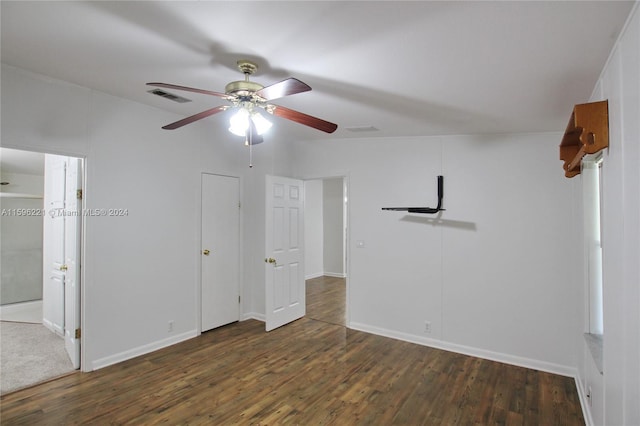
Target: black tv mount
<point>424,210</point>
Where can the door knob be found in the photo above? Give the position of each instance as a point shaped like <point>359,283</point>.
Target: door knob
<point>206,252</point>
<point>270,260</point>
<point>63,267</point>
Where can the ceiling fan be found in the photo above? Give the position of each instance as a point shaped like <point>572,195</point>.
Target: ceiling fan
<point>249,98</point>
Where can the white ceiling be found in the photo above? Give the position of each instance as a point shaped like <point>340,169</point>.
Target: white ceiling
<point>406,68</point>
<point>21,162</point>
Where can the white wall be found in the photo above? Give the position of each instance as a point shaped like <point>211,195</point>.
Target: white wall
<point>313,229</point>
<point>140,271</point>
<point>616,393</point>
<point>333,226</point>
<point>492,274</point>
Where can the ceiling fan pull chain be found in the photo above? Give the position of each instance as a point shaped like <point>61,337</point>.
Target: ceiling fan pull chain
<point>250,149</point>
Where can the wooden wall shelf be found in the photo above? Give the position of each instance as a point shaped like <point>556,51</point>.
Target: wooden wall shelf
<point>587,133</point>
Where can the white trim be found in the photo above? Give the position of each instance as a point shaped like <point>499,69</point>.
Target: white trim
<point>142,350</point>
<point>335,275</point>
<point>325,274</point>
<point>535,364</point>
<point>10,311</point>
<point>253,315</point>
<point>584,402</point>
<point>314,275</point>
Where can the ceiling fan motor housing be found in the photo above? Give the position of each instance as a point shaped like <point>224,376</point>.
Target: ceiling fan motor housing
<point>242,88</point>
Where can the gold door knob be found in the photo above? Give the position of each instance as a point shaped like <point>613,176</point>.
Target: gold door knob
<point>270,260</point>
<point>206,252</point>
<point>63,267</point>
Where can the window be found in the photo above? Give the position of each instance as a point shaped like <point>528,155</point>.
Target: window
<point>592,198</point>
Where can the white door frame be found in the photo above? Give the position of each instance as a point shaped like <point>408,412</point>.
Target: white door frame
<point>347,237</point>
<point>82,254</point>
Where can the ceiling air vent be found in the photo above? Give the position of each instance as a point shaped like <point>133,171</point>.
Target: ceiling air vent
<point>360,129</point>
<point>170,96</point>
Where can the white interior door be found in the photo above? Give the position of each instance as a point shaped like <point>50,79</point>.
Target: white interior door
<point>284,264</point>
<point>72,227</point>
<point>61,250</point>
<point>220,294</point>
<point>53,244</point>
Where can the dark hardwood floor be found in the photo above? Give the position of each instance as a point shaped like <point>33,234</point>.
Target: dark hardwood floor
<point>310,372</point>
<point>326,299</point>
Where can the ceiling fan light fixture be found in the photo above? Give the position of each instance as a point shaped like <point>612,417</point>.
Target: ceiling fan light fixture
<point>239,122</point>
<point>261,123</point>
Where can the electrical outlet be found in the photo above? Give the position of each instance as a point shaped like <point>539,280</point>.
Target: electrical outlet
<point>170,326</point>
<point>427,327</point>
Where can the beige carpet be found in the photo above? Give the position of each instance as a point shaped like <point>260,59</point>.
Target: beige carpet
<point>30,354</point>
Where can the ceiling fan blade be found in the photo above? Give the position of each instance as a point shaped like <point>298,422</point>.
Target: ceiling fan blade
<point>195,117</point>
<point>188,89</point>
<point>305,119</point>
<point>287,87</point>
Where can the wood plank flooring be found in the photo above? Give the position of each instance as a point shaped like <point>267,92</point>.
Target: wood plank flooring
<point>310,372</point>
<point>326,299</point>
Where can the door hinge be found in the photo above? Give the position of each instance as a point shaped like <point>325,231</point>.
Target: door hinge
<point>77,333</point>
<point>238,299</point>
<point>79,194</point>
<point>239,205</point>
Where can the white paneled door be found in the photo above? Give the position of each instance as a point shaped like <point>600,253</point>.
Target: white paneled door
<point>53,244</point>
<point>220,294</point>
<point>61,250</point>
<point>284,261</point>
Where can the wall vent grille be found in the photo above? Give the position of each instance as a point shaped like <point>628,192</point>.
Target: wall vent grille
<point>359,129</point>
<point>169,96</point>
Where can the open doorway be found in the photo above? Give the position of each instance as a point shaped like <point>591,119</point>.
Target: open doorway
<point>325,249</point>
<point>40,263</point>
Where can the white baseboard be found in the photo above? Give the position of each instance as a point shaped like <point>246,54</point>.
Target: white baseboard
<point>534,364</point>
<point>142,350</point>
<point>145,349</point>
<point>584,402</point>
<point>325,274</point>
<point>30,311</point>
<point>253,315</point>
<point>314,275</point>
<point>21,306</point>
<point>335,274</point>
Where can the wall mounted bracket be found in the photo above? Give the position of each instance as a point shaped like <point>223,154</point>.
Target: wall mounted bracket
<point>587,133</point>
<point>424,210</point>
